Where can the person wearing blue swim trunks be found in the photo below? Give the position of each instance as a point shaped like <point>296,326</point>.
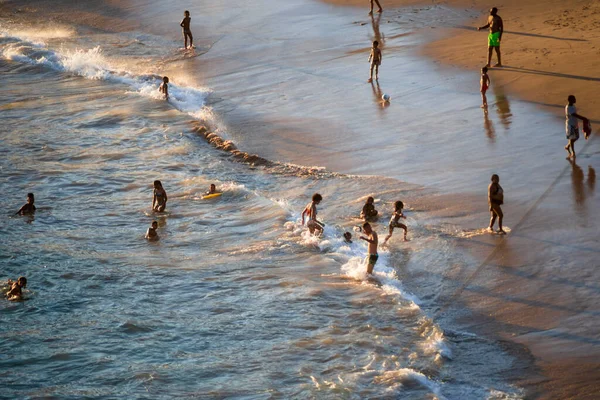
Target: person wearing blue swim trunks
<point>495,36</point>
<point>371,238</point>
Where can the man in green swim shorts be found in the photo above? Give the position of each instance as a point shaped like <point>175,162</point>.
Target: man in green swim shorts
<point>495,36</point>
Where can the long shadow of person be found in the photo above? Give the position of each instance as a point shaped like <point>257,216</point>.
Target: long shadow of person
<point>488,126</point>
<point>502,107</point>
<point>376,32</point>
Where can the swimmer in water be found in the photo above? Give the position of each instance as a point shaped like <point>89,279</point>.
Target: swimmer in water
<point>371,238</point>
<point>15,291</point>
<point>348,237</point>
<point>159,201</point>
<point>394,221</point>
<point>212,190</point>
<point>164,87</point>
<point>28,208</point>
<point>185,24</point>
<point>311,211</point>
<point>369,213</point>
<point>151,233</point>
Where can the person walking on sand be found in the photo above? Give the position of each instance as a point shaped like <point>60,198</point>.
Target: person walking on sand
<point>495,200</point>
<point>484,83</point>
<point>371,238</point>
<point>378,5</point>
<point>185,24</point>
<point>311,211</point>
<point>375,60</point>
<point>572,126</point>
<point>495,36</point>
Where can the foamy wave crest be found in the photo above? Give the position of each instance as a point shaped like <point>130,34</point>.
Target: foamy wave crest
<point>406,376</point>
<point>92,64</point>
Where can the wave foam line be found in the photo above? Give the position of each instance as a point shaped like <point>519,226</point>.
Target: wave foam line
<point>92,64</point>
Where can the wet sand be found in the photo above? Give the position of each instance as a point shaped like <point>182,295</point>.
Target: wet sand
<point>539,286</point>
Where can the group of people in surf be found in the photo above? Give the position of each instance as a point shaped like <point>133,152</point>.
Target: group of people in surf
<point>159,203</point>
<point>368,214</point>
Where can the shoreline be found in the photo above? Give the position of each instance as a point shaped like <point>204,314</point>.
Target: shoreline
<point>560,368</point>
<point>568,363</point>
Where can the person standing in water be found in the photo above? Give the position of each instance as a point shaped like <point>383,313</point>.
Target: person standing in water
<point>495,36</point>
<point>375,60</point>
<point>311,211</point>
<point>572,126</point>
<point>495,200</point>
<point>185,24</point>
<point>159,200</point>
<point>371,238</point>
<point>27,208</point>
<point>378,5</point>
<point>164,87</point>
<point>484,82</point>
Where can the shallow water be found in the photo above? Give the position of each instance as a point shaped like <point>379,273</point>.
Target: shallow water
<point>234,300</point>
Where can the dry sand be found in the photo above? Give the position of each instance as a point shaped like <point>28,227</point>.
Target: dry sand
<point>539,285</point>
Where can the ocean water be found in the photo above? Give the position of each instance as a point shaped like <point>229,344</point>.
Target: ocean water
<point>235,300</point>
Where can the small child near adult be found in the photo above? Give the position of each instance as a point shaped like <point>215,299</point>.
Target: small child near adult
<point>27,208</point>
<point>151,233</point>
<point>371,238</point>
<point>495,200</point>
<point>485,84</point>
<point>572,125</point>
<point>159,200</point>
<point>164,87</point>
<point>394,221</point>
<point>15,291</point>
<point>369,213</point>
<point>185,24</point>
<point>375,59</point>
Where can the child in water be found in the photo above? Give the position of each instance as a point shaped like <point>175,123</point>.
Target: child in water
<point>151,233</point>
<point>311,211</point>
<point>485,84</point>
<point>159,200</point>
<point>369,213</point>
<point>15,291</point>
<point>185,24</point>
<point>394,221</point>
<point>347,237</point>
<point>164,87</point>
<point>371,238</point>
<point>495,200</point>
<point>375,60</point>
<point>28,208</point>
